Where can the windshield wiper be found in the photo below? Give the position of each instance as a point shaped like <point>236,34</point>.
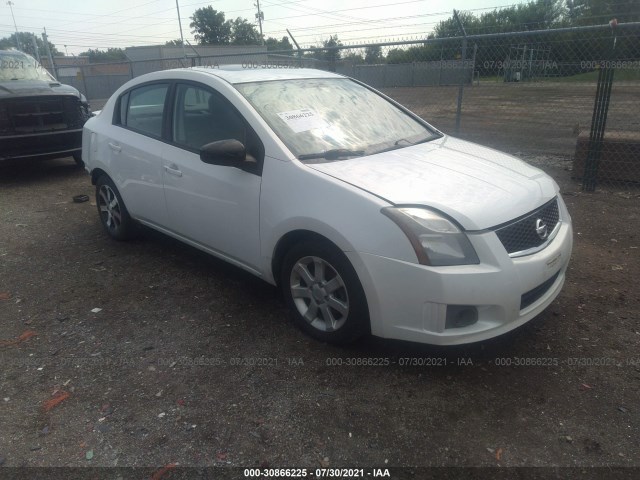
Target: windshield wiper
<point>398,143</point>
<point>334,154</point>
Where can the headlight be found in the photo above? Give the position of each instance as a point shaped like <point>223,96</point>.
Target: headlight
<point>436,240</point>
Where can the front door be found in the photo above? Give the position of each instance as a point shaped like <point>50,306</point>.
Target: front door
<point>215,206</point>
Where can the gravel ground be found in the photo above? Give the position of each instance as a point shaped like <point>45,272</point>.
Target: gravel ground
<point>150,353</point>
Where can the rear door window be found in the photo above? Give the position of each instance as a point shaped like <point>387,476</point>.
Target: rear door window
<point>142,109</point>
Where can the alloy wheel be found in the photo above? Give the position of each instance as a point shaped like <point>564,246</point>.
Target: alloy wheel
<point>109,206</point>
<point>319,293</point>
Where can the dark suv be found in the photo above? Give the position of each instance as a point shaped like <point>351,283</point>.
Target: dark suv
<point>39,116</point>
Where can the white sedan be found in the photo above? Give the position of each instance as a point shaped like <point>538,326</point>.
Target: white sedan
<point>368,218</point>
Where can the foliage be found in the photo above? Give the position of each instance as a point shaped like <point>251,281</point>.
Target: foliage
<point>332,54</point>
<point>373,54</point>
<point>244,33</point>
<point>557,54</point>
<point>26,42</point>
<point>594,12</point>
<point>105,56</point>
<point>449,27</point>
<point>273,44</point>
<point>209,27</point>
<point>426,53</point>
<point>353,59</point>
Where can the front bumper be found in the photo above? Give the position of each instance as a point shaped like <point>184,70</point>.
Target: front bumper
<point>60,143</point>
<point>408,301</point>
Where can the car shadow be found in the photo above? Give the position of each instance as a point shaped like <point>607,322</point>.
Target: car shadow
<point>31,171</point>
<point>506,345</point>
<point>190,257</point>
<point>260,292</point>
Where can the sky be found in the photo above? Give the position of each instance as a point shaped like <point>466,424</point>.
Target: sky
<point>75,26</point>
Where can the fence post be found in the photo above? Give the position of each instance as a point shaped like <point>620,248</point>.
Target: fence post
<point>84,81</point>
<point>332,52</point>
<point>440,71</point>
<point>462,76</point>
<point>473,64</point>
<point>599,121</point>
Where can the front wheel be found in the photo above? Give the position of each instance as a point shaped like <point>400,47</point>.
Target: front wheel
<point>113,213</point>
<point>324,293</point>
<point>77,157</point>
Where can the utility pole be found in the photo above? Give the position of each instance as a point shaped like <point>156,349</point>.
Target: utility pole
<point>35,47</point>
<point>48,50</point>
<point>10,3</point>
<point>260,17</point>
<point>184,50</point>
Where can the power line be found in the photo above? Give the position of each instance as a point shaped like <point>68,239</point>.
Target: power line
<point>344,23</point>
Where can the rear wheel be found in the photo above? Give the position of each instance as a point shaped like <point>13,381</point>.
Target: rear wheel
<point>324,293</point>
<point>113,213</point>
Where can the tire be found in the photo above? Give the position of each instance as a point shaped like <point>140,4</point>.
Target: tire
<point>323,293</point>
<point>113,213</point>
<point>77,157</point>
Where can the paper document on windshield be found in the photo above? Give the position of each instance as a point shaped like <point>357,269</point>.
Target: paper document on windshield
<point>302,120</point>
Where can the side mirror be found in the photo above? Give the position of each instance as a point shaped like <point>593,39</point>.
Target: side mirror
<point>229,153</point>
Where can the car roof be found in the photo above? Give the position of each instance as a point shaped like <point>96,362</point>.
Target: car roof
<point>261,72</point>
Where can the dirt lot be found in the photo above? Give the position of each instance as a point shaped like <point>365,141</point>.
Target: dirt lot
<point>192,361</point>
<point>541,118</point>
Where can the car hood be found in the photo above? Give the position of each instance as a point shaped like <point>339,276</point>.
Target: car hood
<point>21,88</point>
<point>477,186</point>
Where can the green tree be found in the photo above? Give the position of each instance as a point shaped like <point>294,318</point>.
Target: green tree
<point>373,54</point>
<point>353,59</point>
<point>105,56</point>
<point>244,33</point>
<point>332,53</point>
<point>595,12</point>
<point>174,43</point>
<point>209,27</point>
<point>425,53</point>
<point>533,15</point>
<point>397,55</point>
<point>26,43</point>
<point>273,44</point>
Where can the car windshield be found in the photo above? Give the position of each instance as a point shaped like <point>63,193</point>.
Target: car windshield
<point>326,119</point>
<point>18,66</point>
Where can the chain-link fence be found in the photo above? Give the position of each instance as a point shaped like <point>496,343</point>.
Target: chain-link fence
<point>569,97</point>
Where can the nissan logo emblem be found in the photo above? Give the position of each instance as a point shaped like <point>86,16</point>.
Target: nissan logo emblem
<point>541,229</point>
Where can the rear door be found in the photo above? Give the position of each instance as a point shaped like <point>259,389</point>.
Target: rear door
<point>135,147</point>
<point>215,206</point>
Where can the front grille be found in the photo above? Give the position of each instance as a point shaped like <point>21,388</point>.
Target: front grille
<point>536,293</point>
<point>40,114</point>
<point>521,234</point>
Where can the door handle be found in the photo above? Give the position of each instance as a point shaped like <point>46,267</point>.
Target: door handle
<point>115,147</point>
<point>172,170</point>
